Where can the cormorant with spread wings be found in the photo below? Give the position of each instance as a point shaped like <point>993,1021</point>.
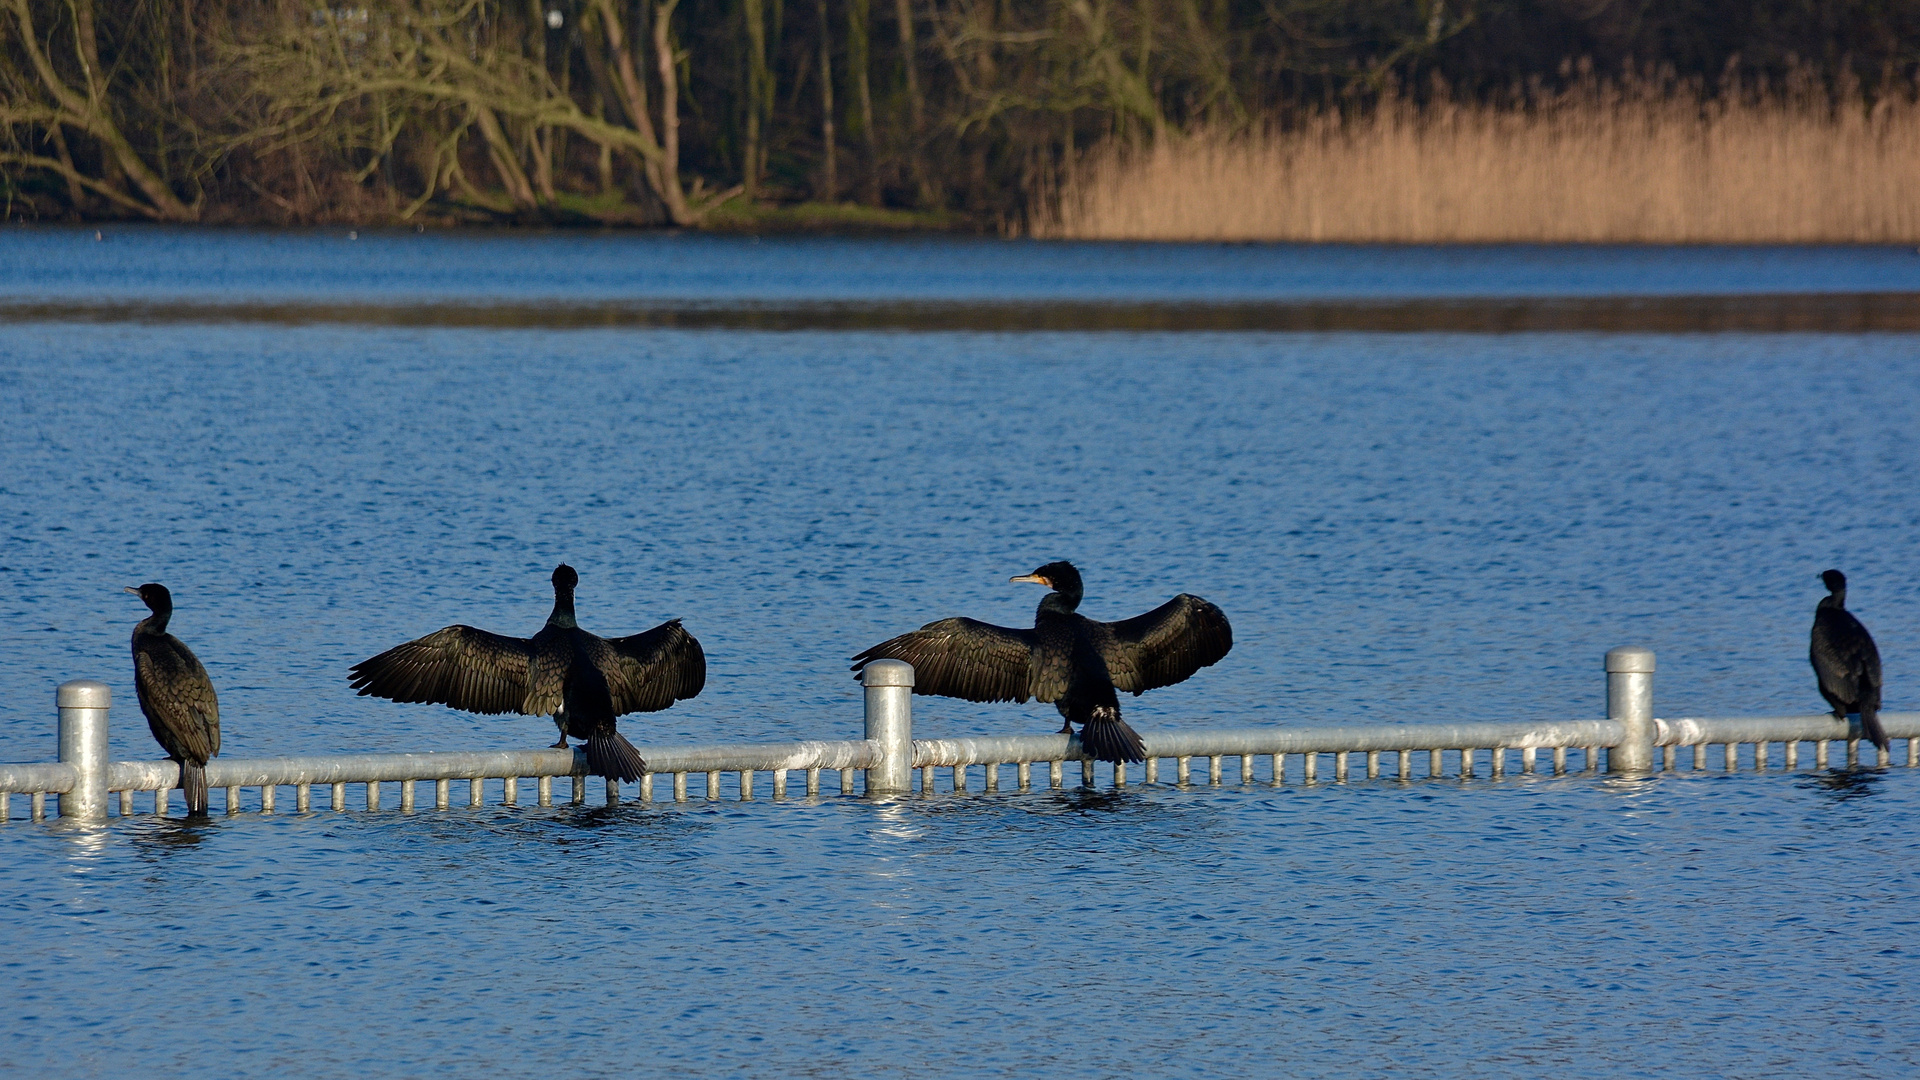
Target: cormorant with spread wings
<point>583,681</point>
<point>1067,658</point>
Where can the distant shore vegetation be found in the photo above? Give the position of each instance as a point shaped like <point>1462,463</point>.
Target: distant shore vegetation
<point>1378,120</point>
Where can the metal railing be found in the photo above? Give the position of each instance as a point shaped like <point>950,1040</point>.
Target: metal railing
<point>85,781</point>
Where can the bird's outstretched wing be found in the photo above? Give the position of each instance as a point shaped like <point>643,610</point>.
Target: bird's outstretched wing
<point>460,666</point>
<point>963,658</point>
<point>1166,645</point>
<point>648,671</point>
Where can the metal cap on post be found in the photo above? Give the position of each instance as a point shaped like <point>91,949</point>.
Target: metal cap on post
<point>889,686</point>
<point>1630,701</point>
<point>83,745</point>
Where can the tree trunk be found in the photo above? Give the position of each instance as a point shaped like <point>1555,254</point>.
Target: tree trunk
<point>858,20</point>
<point>830,182</point>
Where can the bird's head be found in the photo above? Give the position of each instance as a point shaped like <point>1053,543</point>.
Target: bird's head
<point>564,577</point>
<point>1061,577</point>
<point>1834,580</point>
<point>155,595</point>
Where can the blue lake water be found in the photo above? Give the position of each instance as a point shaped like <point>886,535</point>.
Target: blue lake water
<point>1402,527</point>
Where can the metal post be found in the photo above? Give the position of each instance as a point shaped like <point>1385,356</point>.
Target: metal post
<point>889,686</point>
<point>83,745</point>
<point>1630,701</point>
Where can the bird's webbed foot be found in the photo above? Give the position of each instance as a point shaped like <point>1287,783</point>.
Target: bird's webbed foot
<point>561,745</point>
<point>1066,727</point>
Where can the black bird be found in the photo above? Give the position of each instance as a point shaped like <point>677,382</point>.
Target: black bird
<point>176,695</point>
<point>1846,661</point>
<point>583,681</point>
<point>1067,658</point>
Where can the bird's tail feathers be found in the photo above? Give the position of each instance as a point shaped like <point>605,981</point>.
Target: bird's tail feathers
<point>1871,729</point>
<point>193,784</point>
<point>613,757</point>
<point>1108,738</point>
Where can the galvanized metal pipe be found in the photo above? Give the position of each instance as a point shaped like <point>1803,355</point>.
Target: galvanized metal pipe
<point>889,702</point>
<point>1630,671</point>
<point>83,705</point>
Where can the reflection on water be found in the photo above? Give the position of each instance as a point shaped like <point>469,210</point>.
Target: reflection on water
<point>1845,785</point>
<point>1419,526</point>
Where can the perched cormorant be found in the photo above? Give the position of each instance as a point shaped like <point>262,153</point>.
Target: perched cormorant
<point>583,681</point>
<point>1067,658</point>
<point>176,695</point>
<point>1845,660</point>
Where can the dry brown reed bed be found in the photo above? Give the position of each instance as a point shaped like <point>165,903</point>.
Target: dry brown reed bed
<point>1598,164</point>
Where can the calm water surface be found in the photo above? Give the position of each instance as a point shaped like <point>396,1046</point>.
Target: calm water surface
<point>1402,527</point>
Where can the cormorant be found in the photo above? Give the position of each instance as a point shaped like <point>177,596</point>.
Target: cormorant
<point>1067,658</point>
<point>583,681</point>
<point>176,695</point>
<point>1846,661</point>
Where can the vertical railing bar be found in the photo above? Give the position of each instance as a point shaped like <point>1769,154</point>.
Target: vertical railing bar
<point>233,801</point>
<point>1592,763</point>
<point>1853,753</point>
<point>613,790</point>
<point>1820,753</point>
<point>1213,769</point>
<point>406,796</point>
<point>126,805</point>
<point>1023,774</point>
<point>303,798</point>
<point>1151,774</point>
<point>813,782</point>
<point>543,791</point>
<point>37,808</point>
<point>926,780</point>
<point>1527,758</point>
<point>746,784</point>
<point>1119,774</point>
<point>1086,772</point>
<point>1279,770</point>
<point>1667,758</point>
<point>1183,767</point>
<point>779,783</point>
<point>990,780</point>
<point>337,797</point>
<point>1793,755</point>
<point>1056,775</point>
<point>1340,767</point>
<point>1436,764</point>
<point>1404,765</point>
<point>713,784</point>
<point>442,794</point>
<point>509,791</point>
<point>1311,763</point>
<point>373,794</point>
<point>476,791</point>
<point>679,787</point>
<point>1559,761</point>
<point>846,781</point>
<point>1466,764</point>
<point>959,778</point>
<point>1373,764</point>
<point>646,788</point>
<point>1913,751</point>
